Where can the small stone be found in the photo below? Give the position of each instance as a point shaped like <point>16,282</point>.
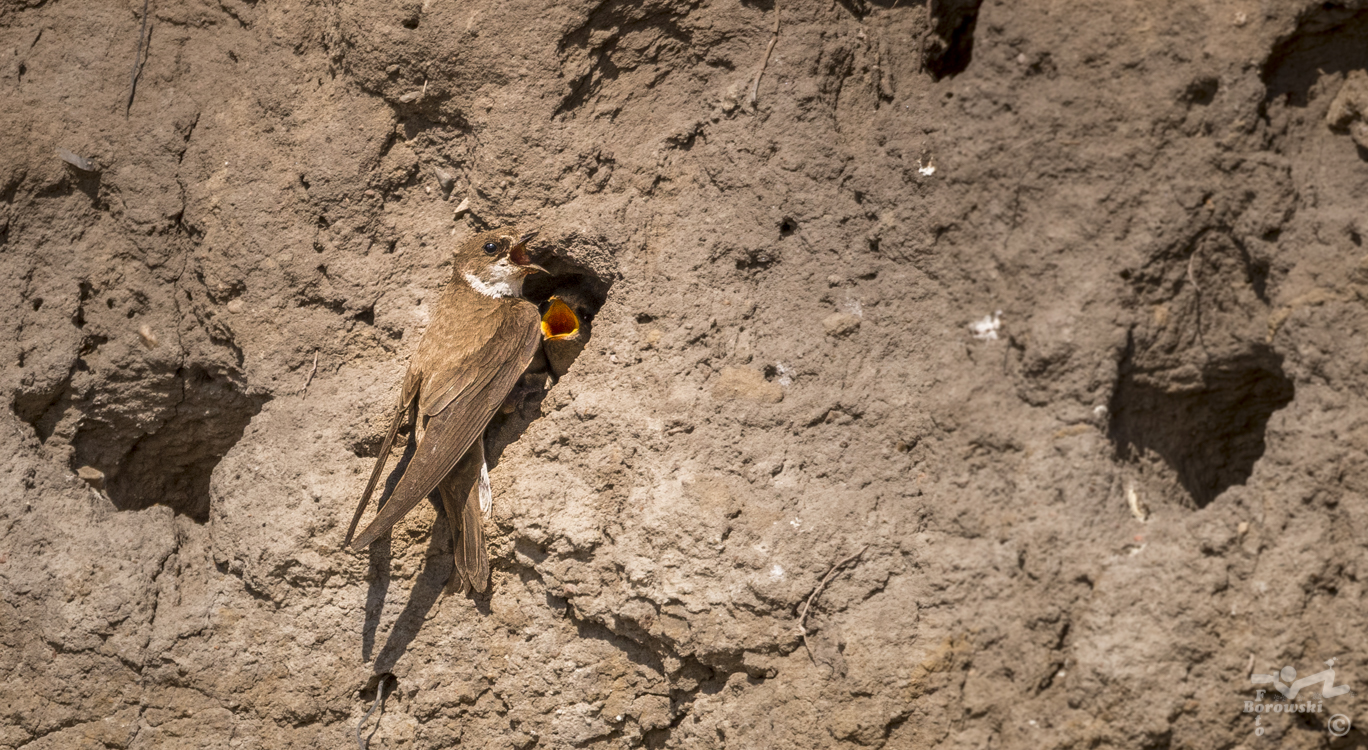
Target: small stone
<point>834,280</point>
<point>92,476</point>
<point>444,178</point>
<point>745,383</point>
<point>236,306</point>
<point>838,325</point>
<point>149,338</point>
<point>465,206</point>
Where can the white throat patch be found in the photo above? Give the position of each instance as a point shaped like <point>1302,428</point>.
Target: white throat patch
<point>504,280</point>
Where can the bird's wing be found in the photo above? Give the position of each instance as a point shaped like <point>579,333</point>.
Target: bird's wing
<point>485,370</point>
<point>461,357</point>
<point>379,466</point>
<point>408,388</point>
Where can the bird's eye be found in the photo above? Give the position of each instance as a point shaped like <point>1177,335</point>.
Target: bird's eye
<point>490,248</point>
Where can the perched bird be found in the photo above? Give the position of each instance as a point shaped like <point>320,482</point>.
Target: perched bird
<point>481,339</point>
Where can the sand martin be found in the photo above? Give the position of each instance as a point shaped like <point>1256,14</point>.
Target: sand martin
<point>481,339</point>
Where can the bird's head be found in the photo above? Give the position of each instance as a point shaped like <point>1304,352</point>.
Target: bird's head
<point>495,263</point>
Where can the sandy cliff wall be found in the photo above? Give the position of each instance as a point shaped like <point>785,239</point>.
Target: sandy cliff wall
<point>1052,312</point>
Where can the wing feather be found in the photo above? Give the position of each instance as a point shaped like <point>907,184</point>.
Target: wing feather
<point>379,467</point>
<point>471,557</point>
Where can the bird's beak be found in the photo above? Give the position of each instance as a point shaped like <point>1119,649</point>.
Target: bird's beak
<point>518,254</point>
<point>559,322</point>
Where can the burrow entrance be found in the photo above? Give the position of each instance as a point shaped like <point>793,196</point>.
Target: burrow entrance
<point>1210,433</point>
<point>1199,380</point>
<point>1330,39</point>
<point>583,290</point>
<point>949,44</point>
<point>153,439</point>
<point>171,465</point>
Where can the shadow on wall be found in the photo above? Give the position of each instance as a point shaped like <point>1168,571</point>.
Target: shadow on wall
<point>1329,39</point>
<point>1209,435</point>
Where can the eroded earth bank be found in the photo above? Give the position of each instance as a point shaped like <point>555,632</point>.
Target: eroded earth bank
<point>1040,327</point>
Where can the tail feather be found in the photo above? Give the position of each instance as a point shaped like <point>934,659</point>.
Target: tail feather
<point>460,491</point>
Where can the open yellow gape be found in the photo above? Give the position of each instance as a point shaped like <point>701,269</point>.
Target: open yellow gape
<point>559,322</point>
<point>561,337</point>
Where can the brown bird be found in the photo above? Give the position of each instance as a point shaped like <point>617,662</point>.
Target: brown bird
<point>480,341</point>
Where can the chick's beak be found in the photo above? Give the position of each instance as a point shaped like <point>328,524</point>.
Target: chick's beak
<point>518,254</point>
<point>559,322</point>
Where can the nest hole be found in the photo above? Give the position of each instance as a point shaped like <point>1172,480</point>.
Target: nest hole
<point>584,291</point>
<point>1330,39</point>
<point>1209,436</point>
<point>950,40</point>
<point>200,416</point>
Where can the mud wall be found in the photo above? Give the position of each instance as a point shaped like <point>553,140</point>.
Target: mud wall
<point>988,373</point>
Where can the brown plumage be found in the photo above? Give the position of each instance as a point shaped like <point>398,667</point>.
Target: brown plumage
<point>480,340</point>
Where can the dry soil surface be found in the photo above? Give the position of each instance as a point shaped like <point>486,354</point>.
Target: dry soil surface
<point>983,374</point>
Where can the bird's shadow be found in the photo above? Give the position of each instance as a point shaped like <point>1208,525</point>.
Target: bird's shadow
<point>427,589</point>
<point>381,552</point>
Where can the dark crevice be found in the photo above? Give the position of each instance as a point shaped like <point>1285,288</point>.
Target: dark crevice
<point>1209,435</point>
<point>1329,39</point>
<point>183,424</point>
<point>949,44</point>
<point>172,464</point>
<point>1202,91</point>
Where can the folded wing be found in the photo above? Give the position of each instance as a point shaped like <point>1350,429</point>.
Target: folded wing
<point>462,383</point>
